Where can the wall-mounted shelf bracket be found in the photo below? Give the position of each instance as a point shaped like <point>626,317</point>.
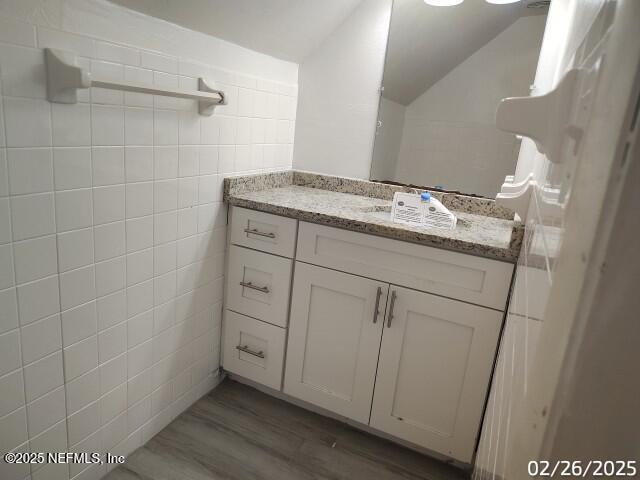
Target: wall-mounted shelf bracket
<point>546,119</point>
<point>65,77</point>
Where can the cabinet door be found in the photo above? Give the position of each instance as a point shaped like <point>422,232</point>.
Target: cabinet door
<point>334,340</point>
<point>435,364</point>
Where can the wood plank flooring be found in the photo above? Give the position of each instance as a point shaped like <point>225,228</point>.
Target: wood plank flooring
<point>239,433</point>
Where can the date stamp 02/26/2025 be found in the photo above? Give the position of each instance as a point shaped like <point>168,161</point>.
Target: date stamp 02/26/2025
<point>87,458</point>
<point>582,469</point>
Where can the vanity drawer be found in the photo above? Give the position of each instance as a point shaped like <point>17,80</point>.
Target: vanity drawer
<point>263,231</point>
<point>456,275</point>
<point>253,349</point>
<point>258,285</point>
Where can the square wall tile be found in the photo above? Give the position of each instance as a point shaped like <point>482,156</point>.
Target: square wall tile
<point>138,388</point>
<point>6,266</point>
<point>188,128</point>
<point>4,176</point>
<point>74,209</point>
<point>112,309</point>
<point>165,195</point>
<point>139,358</point>
<point>165,128</point>
<point>112,342</point>
<point>10,358</point>
<point>8,310</point>
<point>41,338</point>
<point>38,299</point>
<point>138,163</point>
<point>138,124</point>
<point>113,403</point>
<point>32,216</point>
<point>30,170</point>
<point>116,53</point>
<point>109,240</point>
<point>80,358</point>
<point>75,249</point>
<point>82,391</point>
<point>35,259</point>
<point>23,74</point>
<point>19,112</point>
<point>52,440</point>
<point>45,412</point>
<point>165,227</point>
<point>139,233</point>
<point>77,287</point>
<point>79,323</point>
<point>13,429</point>
<point>72,168</point>
<point>110,276</point>
<point>43,376</point>
<point>139,298</point>
<point>165,164</point>
<point>19,33</point>
<point>139,266</point>
<point>162,63</point>
<point>113,373</point>
<point>139,199</point>
<point>108,204</point>
<point>12,386</point>
<point>187,192</point>
<point>208,160</point>
<point>5,221</point>
<point>84,422</point>
<point>107,125</point>
<point>139,329</point>
<point>108,165</point>
<point>188,160</point>
<point>71,124</point>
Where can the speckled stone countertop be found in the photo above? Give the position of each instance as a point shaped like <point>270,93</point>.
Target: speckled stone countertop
<point>364,207</point>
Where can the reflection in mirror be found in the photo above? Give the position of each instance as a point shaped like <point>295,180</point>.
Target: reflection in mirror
<point>446,70</point>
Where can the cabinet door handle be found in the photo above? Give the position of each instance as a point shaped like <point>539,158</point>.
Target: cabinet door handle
<point>255,287</point>
<point>255,231</point>
<point>391,305</point>
<point>246,349</point>
<point>376,310</point>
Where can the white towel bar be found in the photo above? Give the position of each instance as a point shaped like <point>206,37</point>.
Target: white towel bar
<point>65,77</point>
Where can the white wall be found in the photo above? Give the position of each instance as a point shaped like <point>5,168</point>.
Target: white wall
<point>449,136</point>
<point>112,229</point>
<point>339,92</point>
<point>388,139</point>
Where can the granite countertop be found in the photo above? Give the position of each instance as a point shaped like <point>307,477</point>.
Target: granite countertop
<point>317,201</point>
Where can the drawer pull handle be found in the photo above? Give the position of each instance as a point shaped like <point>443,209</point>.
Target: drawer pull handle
<point>254,287</point>
<point>376,310</point>
<point>246,349</point>
<point>391,305</point>
<point>255,231</point>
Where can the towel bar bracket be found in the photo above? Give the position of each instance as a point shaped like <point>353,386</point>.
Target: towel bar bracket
<point>65,77</point>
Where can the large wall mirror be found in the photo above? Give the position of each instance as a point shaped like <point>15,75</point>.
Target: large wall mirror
<point>446,70</point>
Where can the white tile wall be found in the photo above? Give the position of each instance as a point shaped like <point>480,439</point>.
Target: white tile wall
<point>112,232</point>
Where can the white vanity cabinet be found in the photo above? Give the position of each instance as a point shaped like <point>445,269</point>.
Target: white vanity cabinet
<point>398,336</point>
<point>334,337</point>
<point>434,370</point>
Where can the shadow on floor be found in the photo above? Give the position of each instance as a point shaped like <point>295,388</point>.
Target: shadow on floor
<point>239,433</point>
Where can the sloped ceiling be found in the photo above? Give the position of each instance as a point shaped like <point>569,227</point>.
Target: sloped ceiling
<point>426,42</point>
<point>285,29</point>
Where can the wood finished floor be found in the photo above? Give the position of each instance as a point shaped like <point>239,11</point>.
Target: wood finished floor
<point>239,433</point>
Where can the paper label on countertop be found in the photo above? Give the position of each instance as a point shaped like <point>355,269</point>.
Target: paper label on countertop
<point>407,209</point>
